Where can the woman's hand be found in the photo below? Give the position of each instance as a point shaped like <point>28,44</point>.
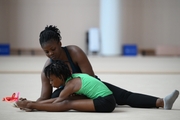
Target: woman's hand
<point>22,104</point>
<point>22,99</point>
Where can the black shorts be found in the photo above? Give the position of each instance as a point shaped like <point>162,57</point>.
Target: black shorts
<point>105,104</point>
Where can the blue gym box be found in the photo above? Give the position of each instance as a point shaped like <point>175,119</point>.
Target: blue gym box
<point>130,50</point>
<point>4,49</point>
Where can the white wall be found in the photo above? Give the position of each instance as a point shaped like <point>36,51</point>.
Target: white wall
<point>161,23</point>
<point>150,23</point>
<point>3,22</point>
<point>27,18</point>
<point>147,23</point>
<point>132,21</point>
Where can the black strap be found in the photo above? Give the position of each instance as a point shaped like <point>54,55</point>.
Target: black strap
<point>69,59</point>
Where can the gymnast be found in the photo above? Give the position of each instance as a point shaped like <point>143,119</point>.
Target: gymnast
<point>77,61</point>
<point>99,97</point>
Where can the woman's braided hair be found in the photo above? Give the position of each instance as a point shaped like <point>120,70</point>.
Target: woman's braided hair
<point>49,33</point>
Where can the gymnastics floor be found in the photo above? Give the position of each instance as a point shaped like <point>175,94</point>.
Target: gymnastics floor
<point>157,76</point>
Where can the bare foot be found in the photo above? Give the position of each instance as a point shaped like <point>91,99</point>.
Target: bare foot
<point>20,99</point>
<point>23,105</point>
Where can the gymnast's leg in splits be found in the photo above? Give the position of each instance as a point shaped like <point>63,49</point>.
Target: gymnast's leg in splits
<point>124,97</point>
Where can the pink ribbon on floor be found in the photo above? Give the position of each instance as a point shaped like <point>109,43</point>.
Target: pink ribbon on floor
<point>13,98</point>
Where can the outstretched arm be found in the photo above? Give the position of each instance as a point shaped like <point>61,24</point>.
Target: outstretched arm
<point>46,88</point>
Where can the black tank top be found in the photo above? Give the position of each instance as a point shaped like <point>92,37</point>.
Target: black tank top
<point>75,68</point>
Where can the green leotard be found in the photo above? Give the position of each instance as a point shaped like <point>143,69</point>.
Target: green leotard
<point>91,87</point>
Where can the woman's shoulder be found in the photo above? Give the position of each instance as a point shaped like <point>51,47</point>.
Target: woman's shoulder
<point>75,51</point>
<point>73,48</point>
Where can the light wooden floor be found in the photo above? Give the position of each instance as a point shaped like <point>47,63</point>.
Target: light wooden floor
<point>157,76</point>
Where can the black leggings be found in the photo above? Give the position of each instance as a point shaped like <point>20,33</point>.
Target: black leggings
<point>124,97</point>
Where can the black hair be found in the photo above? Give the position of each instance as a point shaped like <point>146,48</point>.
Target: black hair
<point>59,69</point>
<point>49,33</point>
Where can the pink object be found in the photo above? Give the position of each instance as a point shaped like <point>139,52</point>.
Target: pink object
<point>13,98</point>
<point>167,50</point>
